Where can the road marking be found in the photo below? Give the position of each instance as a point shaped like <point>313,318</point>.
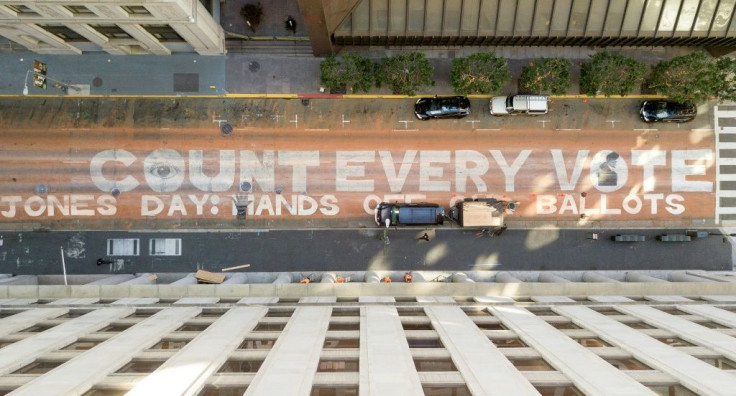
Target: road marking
<point>404,130</point>
<point>316,130</point>
<point>74,162</point>
<point>473,121</point>
<point>406,123</point>
<point>344,121</point>
<point>544,123</point>
<point>646,129</point>
<point>488,129</point>
<point>568,129</point>
<point>296,120</point>
<point>702,130</point>
<point>613,123</point>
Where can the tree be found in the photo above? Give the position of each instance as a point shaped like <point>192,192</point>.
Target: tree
<point>693,78</point>
<point>354,72</point>
<point>405,73</point>
<point>547,75</point>
<point>611,74</point>
<point>727,88</point>
<point>482,72</point>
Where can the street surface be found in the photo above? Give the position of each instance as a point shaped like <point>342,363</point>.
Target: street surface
<point>357,250</point>
<point>162,163</point>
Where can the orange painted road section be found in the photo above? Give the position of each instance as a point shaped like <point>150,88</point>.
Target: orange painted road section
<point>302,174</point>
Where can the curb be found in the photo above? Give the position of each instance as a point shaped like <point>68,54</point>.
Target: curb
<point>315,96</point>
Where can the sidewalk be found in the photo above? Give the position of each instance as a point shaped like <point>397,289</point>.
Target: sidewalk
<point>270,60</point>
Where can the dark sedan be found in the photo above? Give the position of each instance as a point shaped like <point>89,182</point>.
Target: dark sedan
<point>667,111</point>
<point>442,107</point>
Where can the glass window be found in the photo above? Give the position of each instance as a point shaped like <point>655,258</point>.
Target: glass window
<point>723,16</point>
<point>193,327</point>
<point>80,346</point>
<point>39,367</point>
<point>79,10</point>
<point>22,10</point>
<point>669,16</point>
<point>633,15</point>
<point>705,14</point>
<point>240,366</point>
<point>346,343</point>
<point>491,326</point>
<point>164,33</point>
<point>687,16</point>
<point>136,10</point>
<point>417,326</point>
<point>140,366</point>
<point>169,344</point>
<point>434,365</point>
<point>280,313</point>
<point>113,32</point>
<point>269,327</point>
<point>615,17</point>
<point>534,364</point>
<point>425,343</point>
<point>256,344</point>
<point>338,366</point>
<point>343,326</point>
<point>628,364</point>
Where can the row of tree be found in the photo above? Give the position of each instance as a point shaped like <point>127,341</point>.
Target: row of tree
<point>692,78</point>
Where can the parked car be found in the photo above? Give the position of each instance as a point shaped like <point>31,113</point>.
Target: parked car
<point>442,107</point>
<point>667,111</point>
<point>519,104</point>
<point>396,214</point>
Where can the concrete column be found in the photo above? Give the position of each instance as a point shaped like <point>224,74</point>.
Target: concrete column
<point>551,278</point>
<point>142,279</point>
<point>637,277</point>
<point>505,277</point>
<point>459,277</point>
<point>372,277</point>
<point>77,376</point>
<point>284,277</point>
<point>187,280</point>
<point>236,278</point>
<point>417,277</point>
<point>681,276</point>
<point>112,279</point>
<point>590,276</point>
<point>328,277</point>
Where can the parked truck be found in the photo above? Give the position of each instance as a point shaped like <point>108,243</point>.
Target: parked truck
<point>481,212</point>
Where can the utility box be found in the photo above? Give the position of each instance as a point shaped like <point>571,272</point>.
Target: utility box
<point>481,212</point>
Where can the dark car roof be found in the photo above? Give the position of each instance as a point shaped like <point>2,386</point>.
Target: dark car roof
<point>670,106</point>
<point>443,105</point>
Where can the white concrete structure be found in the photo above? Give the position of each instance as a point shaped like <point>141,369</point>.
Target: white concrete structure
<point>156,27</point>
<point>435,337</point>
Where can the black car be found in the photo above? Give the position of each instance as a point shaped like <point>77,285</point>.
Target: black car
<point>667,111</point>
<point>442,107</point>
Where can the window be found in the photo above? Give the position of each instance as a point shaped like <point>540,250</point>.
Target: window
<point>675,342</point>
<point>491,326</point>
<point>593,343</point>
<point>64,33</point>
<point>337,366</point>
<point>476,312</point>
<point>193,327</point>
<point>721,363</point>
<point>425,343</point>
<point>565,326</point>
<point>74,313</point>
<point>446,390</point>
<point>345,312</point>
<point>80,346</point>
<point>240,366</point>
<point>37,328</point>
<point>256,344</point>
<point>417,326</point>
<point>136,10</point>
<point>347,343</point>
<point>279,313</point>
<point>534,364</point>
<point>164,247</point>
<point>639,325</point>
<point>115,328</point>
<point>343,326</point>
<point>163,33</point>
<point>122,246</point>
<point>269,327</point>
<point>411,312</point>
<point>211,313</point>
<point>140,366</point>
<point>79,10</point>
<point>566,391</point>
<point>22,10</point>
<point>169,345</point>
<point>628,364</point>
<point>214,390</point>
<point>510,343</point>
<point>38,367</point>
<point>434,365</point>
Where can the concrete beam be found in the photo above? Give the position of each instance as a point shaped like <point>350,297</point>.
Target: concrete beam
<point>551,278</point>
<point>639,277</point>
<point>505,277</point>
<point>236,278</point>
<point>142,279</point>
<point>460,277</point>
<point>594,277</point>
<point>112,279</point>
<point>284,277</point>
<point>28,318</point>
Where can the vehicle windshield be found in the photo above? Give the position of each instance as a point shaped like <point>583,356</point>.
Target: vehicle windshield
<point>444,105</point>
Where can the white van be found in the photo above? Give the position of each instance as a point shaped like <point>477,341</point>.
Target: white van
<point>519,104</point>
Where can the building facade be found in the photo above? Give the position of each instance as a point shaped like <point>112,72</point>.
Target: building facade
<point>555,336</point>
<point>156,27</point>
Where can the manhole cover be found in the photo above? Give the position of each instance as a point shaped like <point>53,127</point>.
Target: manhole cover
<point>305,102</point>
<point>254,66</point>
<point>245,186</point>
<point>41,189</point>
<point>97,82</point>
<point>226,129</point>
<point>115,192</point>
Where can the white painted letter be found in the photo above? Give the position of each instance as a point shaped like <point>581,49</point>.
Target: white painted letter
<point>462,172</point>
<point>343,170</point>
<point>299,161</point>
<point>426,170</point>
<point>510,171</point>
<point>100,181</point>
<point>680,170</point>
<point>222,181</point>
<point>648,159</point>
<point>559,161</point>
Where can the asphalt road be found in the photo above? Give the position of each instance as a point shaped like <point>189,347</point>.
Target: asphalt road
<point>362,249</point>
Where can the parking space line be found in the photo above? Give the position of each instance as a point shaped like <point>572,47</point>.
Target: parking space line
<point>568,129</point>
<point>487,129</point>
<point>403,130</point>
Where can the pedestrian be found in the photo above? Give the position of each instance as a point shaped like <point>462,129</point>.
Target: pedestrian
<point>290,25</point>
<point>425,237</point>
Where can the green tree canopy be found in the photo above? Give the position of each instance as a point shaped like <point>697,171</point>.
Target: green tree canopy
<point>727,88</point>
<point>354,72</point>
<point>547,75</point>
<point>692,78</point>
<point>405,73</point>
<point>611,74</point>
<point>482,73</point>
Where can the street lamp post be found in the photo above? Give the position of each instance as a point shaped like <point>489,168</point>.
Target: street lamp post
<point>63,84</point>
